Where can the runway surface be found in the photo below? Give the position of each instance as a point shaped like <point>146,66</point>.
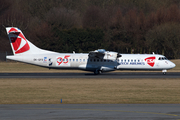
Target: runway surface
<point>91,75</point>
<point>91,112</point>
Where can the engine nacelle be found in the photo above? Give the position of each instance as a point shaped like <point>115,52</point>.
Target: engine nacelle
<point>112,55</point>
<point>102,54</point>
<point>107,69</point>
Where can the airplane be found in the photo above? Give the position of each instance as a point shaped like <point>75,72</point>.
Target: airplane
<point>97,61</point>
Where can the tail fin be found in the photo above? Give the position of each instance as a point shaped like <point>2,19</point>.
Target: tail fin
<point>18,42</point>
<point>20,45</point>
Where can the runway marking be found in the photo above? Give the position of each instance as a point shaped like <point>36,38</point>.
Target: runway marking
<point>108,111</point>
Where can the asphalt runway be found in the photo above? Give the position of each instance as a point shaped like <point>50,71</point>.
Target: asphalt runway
<point>91,112</point>
<point>91,75</point>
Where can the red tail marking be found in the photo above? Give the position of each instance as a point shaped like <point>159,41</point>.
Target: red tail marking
<point>16,42</point>
<point>21,35</point>
<point>23,49</point>
<point>12,29</point>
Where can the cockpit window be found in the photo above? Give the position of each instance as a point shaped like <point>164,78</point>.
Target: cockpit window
<point>162,58</point>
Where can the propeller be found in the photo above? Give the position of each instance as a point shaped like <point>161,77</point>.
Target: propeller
<point>118,55</point>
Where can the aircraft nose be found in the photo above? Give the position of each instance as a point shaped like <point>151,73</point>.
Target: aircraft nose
<point>172,65</point>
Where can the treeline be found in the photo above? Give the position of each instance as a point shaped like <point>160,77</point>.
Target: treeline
<point>125,26</point>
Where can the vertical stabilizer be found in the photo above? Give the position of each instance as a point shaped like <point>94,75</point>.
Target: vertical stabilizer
<point>18,41</point>
<point>20,45</point>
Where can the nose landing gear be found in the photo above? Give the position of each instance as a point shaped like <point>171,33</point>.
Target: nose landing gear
<point>164,72</point>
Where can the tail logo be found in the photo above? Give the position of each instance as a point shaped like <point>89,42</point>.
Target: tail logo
<point>18,41</point>
<point>150,61</point>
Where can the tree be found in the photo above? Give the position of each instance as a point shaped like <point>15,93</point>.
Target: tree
<point>164,39</point>
<point>94,18</point>
<point>62,18</point>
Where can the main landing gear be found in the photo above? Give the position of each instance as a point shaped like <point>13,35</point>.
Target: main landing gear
<point>164,72</point>
<point>97,72</point>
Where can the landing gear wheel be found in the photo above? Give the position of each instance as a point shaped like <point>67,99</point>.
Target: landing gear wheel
<point>164,72</point>
<point>96,72</point>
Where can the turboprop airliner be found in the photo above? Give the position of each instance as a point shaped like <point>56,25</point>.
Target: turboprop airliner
<point>97,61</point>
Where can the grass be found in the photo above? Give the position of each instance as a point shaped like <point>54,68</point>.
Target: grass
<point>81,91</point>
<point>23,67</point>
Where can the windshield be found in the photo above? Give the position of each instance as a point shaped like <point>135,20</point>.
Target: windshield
<point>162,58</point>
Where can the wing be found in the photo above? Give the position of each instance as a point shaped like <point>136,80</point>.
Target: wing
<point>100,53</point>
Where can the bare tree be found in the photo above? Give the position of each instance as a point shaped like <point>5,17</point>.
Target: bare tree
<point>63,18</point>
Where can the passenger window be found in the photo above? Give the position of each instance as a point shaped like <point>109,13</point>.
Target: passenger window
<point>94,60</point>
<point>73,60</point>
<point>131,60</point>
<point>104,60</point>
<point>122,60</point>
<point>134,60</point>
<point>69,60</point>
<point>125,60</point>
<point>76,60</point>
<point>128,60</point>
<point>83,60</point>
<point>97,60</point>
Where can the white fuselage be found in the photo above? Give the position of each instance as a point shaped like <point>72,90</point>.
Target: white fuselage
<point>83,62</point>
<point>144,62</point>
